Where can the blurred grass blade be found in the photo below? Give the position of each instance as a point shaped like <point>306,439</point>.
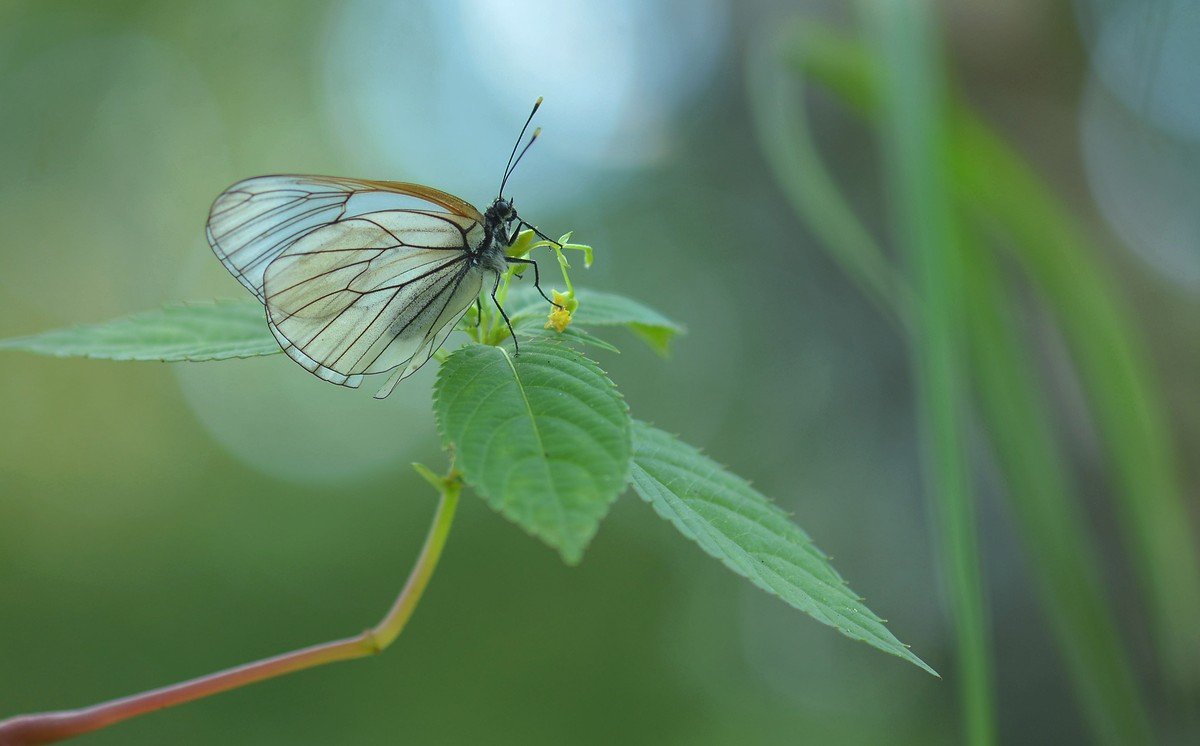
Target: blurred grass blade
<point>913,139</point>
<point>989,175</point>
<point>1065,567</point>
<point>734,523</point>
<point>1062,560</point>
<point>781,123</point>
<point>1122,392</point>
<point>194,332</point>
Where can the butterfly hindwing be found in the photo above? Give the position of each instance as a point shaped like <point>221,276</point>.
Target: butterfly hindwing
<point>453,306</point>
<point>370,293</point>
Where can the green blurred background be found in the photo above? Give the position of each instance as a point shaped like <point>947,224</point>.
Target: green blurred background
<point>160,522</point>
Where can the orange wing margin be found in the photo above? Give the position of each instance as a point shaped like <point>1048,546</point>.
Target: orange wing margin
<point>456,205</point>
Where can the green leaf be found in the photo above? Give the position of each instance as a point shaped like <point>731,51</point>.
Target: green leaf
<point>216,330</point>
<point>597,308</point>
<point>736,524</point>
<point>543,436</point>
<point>533,328</point>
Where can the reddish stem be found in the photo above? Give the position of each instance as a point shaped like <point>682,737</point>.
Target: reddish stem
<point>49,727</point>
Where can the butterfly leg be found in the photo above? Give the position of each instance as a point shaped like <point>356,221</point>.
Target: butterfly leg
<point>537,232</point>
<point>537,280</point>
<point>478,313</point>
<point>511,331</point>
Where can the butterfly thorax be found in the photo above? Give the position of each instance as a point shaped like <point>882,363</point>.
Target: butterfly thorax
<point>496,223</point>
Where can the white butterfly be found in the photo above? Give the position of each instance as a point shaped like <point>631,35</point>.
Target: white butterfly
<point>362,277</point>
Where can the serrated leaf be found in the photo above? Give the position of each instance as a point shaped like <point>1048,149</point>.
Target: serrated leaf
<point>597,308</point>
<point>533,328</point>
<point>194,332</point>
<point>543,436</point>
<point>736,524</point>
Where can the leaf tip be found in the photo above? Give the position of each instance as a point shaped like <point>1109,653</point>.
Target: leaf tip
<point>571,558</point>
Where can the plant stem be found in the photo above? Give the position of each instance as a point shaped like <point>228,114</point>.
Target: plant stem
<point>49,727</point>
<point>564,266</point>
<point>914,137</point>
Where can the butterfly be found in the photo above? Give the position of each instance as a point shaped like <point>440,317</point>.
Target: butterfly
<point>362,277</point>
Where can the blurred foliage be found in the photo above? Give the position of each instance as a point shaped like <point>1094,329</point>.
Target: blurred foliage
<point>157,523</point>
<point>999,195</point>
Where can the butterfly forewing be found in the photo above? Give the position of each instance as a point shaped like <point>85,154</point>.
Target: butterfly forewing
<point>256,220</point>
<point>370,293</point>
<point>358,277</point>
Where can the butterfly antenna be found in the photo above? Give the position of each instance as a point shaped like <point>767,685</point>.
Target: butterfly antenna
<point>508,167</point>
<point>536,133</point>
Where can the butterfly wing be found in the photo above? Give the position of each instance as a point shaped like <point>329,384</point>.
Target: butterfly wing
<point>254,221</point>
<point>374,292</point>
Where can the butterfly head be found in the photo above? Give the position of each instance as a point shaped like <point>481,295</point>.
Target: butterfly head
<point>501,211</point>
<point>500,217</point>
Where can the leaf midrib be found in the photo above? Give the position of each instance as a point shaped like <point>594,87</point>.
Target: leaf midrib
<point>537,433</point>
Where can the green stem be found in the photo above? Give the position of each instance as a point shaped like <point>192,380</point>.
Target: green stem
<point>49,727</point>
<point>914,101</point>
<point>565,267</point>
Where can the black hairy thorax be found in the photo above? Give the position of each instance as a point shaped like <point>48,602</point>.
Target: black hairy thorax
<point>490,254</point>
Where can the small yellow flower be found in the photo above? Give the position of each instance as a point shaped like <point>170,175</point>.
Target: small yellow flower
<point>560,315</point>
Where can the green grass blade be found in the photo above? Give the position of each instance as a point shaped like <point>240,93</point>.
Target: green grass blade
<point>1064,562</point>
<point>913,138</point>
<point>989,175</point>
<point>1121,390</point>
<point>1039,488</point>
<point>1038,485</point>
<point>1043,500</point>
<point>781,124</point>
